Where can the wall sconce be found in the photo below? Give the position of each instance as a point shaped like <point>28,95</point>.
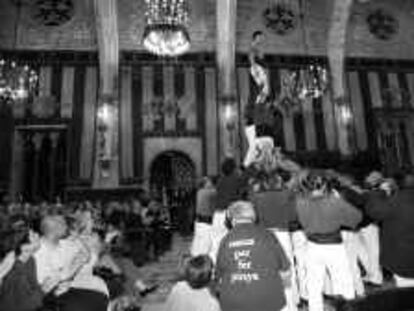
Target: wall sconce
<point>345,114</point>
<point>230,112</point>
<point>104,113</point>
<point>106,117</point>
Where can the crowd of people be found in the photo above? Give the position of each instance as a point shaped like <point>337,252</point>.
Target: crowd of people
<point>73,257</point>
<point>280,240</point>
<point>269,237</point>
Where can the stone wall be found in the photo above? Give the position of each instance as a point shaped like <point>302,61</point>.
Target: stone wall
<point>79,33</point>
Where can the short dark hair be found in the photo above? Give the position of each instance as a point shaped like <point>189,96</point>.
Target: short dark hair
<point>228,166</point>
<point>256,34</point>
<point>198,271</point>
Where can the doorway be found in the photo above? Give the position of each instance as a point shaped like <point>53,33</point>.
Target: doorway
<point>172,180</point>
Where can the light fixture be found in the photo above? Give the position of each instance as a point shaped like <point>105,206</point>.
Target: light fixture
<point>306,82</point>
<point>166,31</point>
<point>313,81</point>
<point>17,82</point>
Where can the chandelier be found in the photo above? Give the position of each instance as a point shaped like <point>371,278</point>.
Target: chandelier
<point>166,31</point>
<point>312,81</point>
<point>17,82</point>
<point>306,82</point>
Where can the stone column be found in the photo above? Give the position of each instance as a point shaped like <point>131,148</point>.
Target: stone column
<point>336,55</point>
<point>226,11</point>
<point>54,140</point>
<point>106,166</point>
<point>18,163</point>
<point>37,140</point>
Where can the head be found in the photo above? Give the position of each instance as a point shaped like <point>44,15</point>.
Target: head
<point>374,180</point>
<point>198,271</point>
<point>85,221</point>
<point>389,186</point>
<point>228,167</point>
<point>315,185</point>
<point>54,227</point>
<point>206,182</point>
<point>241,212</point>
<point>258,37</point>
<point>408,181</point>
<point>136,207</point>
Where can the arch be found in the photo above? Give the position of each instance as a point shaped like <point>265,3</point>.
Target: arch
<point>172,180</point>
<point>154,146</point>
<point>172,169</point>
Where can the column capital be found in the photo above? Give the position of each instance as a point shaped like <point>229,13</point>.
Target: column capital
<point>37,140</point>
<point>343,117</point>
<point>54,138</point>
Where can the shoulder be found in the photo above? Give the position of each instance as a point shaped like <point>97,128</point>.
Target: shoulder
<point>180,288</point>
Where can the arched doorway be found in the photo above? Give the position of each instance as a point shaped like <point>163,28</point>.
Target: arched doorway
<point>172,179</point>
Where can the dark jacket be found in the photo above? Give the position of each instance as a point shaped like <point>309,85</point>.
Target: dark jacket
<point>359,201</point>
<point>249,261</point>
<point>326,215</point>
<point>275,208</point>
<point>20,290</point>
<point>206,202</point>
<point>396,217</point>
<point>229,189</point>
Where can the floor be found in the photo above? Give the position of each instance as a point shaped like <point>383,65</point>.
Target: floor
<point>165,272</point>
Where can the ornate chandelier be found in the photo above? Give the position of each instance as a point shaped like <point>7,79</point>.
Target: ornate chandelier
<point>166,31</point>
<point>312,81</point>
<point>17,82</point>
<point>307,82</point>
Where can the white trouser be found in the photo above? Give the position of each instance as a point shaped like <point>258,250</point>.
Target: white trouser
<point>250,132</point>
<point>218,231</point>
<point>403,282</point>
<point>201,244</point>
<point>299,243</point>
<point>291,293</point>
<point>332,259</point>
<point>354,252</point>
<point>370,240</point>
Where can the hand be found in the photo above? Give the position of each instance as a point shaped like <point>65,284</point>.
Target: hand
<point>62,288</point>
<point>7,264</point>
<point>50,284</point>
<point>286,278</point>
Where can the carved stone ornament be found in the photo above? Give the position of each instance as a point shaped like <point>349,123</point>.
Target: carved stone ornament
<point>382,24</point>
<point>280,19</point>
<point>52,13</point>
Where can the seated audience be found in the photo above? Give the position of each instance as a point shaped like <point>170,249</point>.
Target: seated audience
<point>7,255</point>
<point>85,290</point>
<point>193,293</point>
<point>251,265</point>
<point>49,263</point>
<point>20,290</point>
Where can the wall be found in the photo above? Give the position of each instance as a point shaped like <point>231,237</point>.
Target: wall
<point>79,33</point>
<point>71,81</point>
<point>67,95</point>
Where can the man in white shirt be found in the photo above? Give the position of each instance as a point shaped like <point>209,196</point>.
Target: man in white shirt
<point>50,263</point>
